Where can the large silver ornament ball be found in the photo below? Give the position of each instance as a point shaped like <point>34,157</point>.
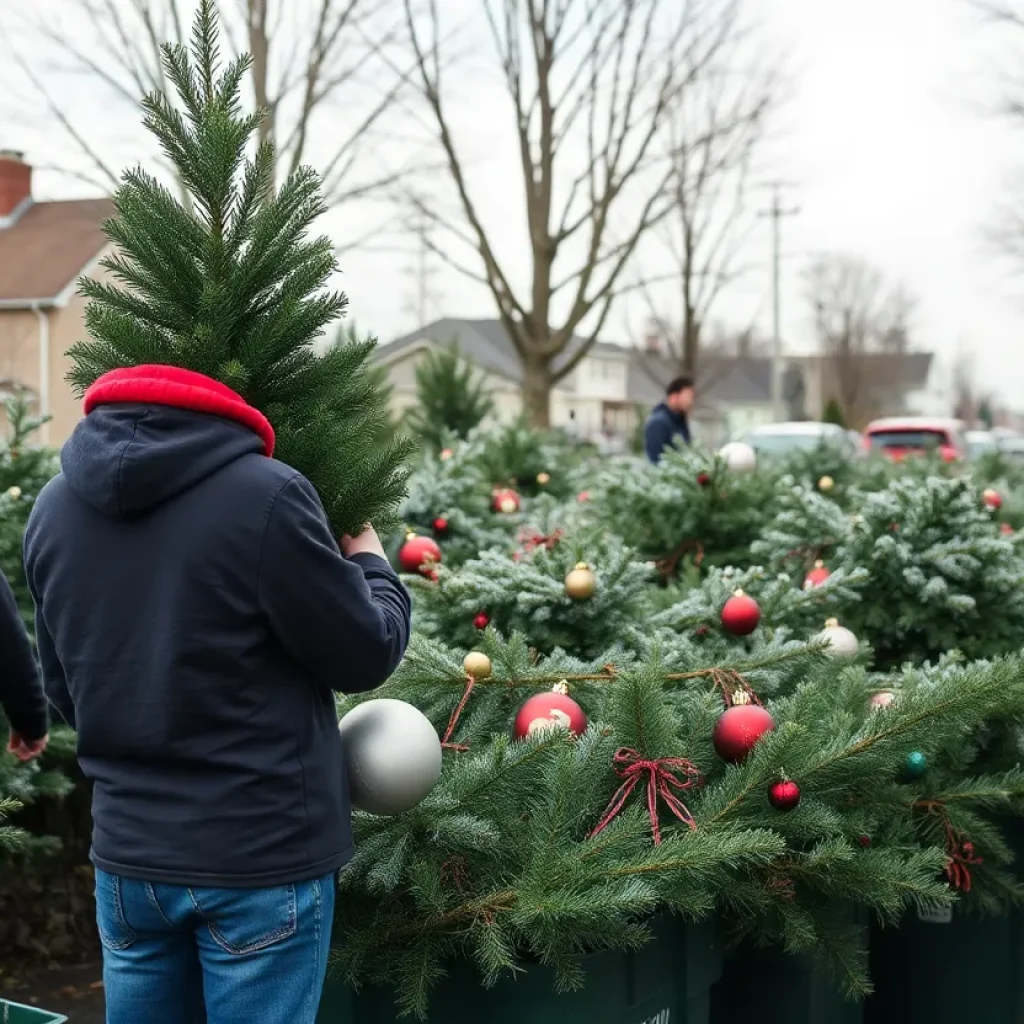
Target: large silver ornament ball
<point>739,457</point>
<point>841,642</point>
<point>392,753</point>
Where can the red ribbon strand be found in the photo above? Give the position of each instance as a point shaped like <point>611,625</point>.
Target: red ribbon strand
<point>662,781</point>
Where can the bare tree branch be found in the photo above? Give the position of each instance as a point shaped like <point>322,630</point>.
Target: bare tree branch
<point>322,69</point>
<point>860,319</point>
<point>592,86</point>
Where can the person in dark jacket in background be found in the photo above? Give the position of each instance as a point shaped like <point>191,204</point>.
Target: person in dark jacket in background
<point>21,693</point>
<point>667,420</point>
<point>195,617</point>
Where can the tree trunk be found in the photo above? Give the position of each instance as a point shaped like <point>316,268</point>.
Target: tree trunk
<point>691,343</point>
<point>537,383</point>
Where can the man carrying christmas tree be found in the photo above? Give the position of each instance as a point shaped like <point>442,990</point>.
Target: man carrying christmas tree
<point>195,613</point>
<point>667,420</point>
<point>21,694</point>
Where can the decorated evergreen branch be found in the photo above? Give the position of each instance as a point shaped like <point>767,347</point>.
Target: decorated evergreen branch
<point>451,500</point>
<point>231,285</point>
<point>690,509</point>
<point>546,848</point>
<point>580,591</point>
<point>529,461</point>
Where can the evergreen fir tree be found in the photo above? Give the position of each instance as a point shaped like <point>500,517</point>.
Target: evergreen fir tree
<point>25,467</point>
<point>833,413</point>
<point>231,286</point>
<point>452,399</point>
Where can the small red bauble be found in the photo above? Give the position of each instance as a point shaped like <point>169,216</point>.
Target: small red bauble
<point>739,729</point>
<point>816,576</point>
<point>740,614</point>
<point>865,841</point>
<point>481,620</point>
<point>419,554</point>
<point>583,496</point>
<point>1005,528</point>
<point>703,479</point>
<point>506,501</point>
<point>441,526</point>
<point>784,795</point>
<point>992,498</point>
<point>546,711</point>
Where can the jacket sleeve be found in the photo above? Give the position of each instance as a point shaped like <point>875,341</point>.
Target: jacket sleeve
<point>346,621</point>
<point>657,436</point>
<point>55,683</point>
<point>21,692</point>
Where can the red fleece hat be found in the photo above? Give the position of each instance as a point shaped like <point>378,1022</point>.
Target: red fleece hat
<point>180,389</point>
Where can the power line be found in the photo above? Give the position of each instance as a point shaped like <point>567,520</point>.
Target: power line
<point>777,212</point>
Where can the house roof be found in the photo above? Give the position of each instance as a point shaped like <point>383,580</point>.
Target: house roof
<point>485,343</point>
<point>739,380</point>
<point>48,246</point>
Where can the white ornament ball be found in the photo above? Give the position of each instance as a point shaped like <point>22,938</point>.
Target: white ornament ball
<point>14,493</point>
<point>739,457</point>
<point>393,756</point>
<point>841,641</point>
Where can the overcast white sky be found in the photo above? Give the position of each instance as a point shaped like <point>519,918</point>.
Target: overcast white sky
<point>892,149</point>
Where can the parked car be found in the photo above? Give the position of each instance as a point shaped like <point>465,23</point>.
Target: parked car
<point>979,443</point>
<point>1012,449</point>
<point>898,437</point>
<point>782,438</point>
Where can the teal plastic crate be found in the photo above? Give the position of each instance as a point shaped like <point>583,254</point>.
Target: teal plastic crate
<point>16,1013</point>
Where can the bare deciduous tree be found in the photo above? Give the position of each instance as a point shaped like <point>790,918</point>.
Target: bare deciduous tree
<point>858,316</point>
<point>319,69</point>
<point>592,87</point>
<point>714,134</point>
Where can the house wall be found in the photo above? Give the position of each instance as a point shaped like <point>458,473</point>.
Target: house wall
<point>20,361</point>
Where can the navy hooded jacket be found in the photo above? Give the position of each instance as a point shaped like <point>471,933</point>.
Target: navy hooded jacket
<point>662,428</point>
<point>194,616</point>
<point>21,694</point>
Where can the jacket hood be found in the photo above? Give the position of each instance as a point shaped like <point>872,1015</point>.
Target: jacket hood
<point>152,432</point>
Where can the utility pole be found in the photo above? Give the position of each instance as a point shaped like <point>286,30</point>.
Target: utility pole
<point>424,296</point>
<point>777,212</point>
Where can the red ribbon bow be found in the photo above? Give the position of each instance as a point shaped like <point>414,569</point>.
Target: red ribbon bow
<point>533,539</point>
<point>661,782</point>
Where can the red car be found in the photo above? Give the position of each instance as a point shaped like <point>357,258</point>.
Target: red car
<point>899,437</point>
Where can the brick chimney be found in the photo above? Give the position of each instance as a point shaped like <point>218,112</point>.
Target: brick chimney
<point>15,181</point>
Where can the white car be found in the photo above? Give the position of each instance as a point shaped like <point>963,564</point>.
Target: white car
<point>783,438</point>
<point>979,443</point>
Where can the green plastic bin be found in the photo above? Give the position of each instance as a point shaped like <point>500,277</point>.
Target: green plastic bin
<point>666,982</point>
<point>16,1013</point>
<point>771,986</point>
<point>949,966</point>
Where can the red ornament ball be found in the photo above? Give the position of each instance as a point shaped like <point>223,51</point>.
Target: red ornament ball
<point>703,479</point>
<point>739,728</point>
<point>1005,528</point>
<point>583,496</point>
<point>552,710</point>
<point>481,620</point>
<point>865,842</point>
<point>740,614</point>
<point>420,554</point>
<point>505,501</point>
<point>816,576</point>
<point>441,526</point>
<point>992,498</point>
<point>784,795</point>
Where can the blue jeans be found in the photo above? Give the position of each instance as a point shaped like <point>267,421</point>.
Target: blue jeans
<point>250,956</point>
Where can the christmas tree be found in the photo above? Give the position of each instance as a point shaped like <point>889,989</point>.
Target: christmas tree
<point>452,399</point>
<point>233,287</point>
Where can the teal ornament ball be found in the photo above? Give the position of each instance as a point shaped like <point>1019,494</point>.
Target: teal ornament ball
<point>915,765</point>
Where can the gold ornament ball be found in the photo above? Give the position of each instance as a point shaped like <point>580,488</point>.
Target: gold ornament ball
<point>581,582</point>
<point>14,493</point>
<point>543,478</point>
<point>826,483</point>
<point>477,665</point>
